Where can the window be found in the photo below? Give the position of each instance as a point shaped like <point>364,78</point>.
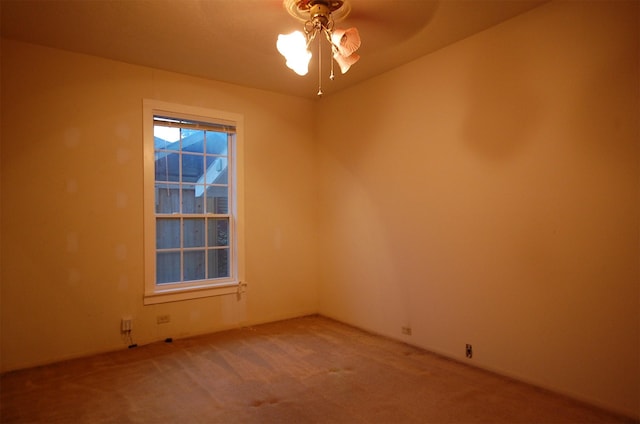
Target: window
<point>193,243</point>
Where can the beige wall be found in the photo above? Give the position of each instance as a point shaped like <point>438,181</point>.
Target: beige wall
<point>489,194</point>
<point>72,252</point>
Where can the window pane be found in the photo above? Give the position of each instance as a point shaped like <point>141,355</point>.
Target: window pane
<point>192,141</point>
<point>194,265</point>
<point>167,198</point>
<point>167,233</point>
<point>217,172</point>
<point>193,232</point>
<point>218,263</point>
<point>218,232</point>
<point>193,198</point>
<point>192,168</point>
<point>218,199</point>
<point>167,267</point>
<point>216,143</point>
<point>167,166</point>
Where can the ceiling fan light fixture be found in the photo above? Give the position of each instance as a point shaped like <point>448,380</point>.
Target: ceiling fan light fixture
<point>294,49</point>
<point>319,17</point>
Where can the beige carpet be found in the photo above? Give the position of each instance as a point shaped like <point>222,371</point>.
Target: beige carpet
<point>306,370</point>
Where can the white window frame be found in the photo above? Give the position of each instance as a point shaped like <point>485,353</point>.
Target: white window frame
<point>161,293</point>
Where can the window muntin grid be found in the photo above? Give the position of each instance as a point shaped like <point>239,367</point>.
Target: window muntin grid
<point>194,226</point>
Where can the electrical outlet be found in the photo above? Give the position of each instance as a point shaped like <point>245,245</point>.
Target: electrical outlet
<point>163,319</point>
<point>126,325</point>
<point>469,351</point>
<point>406,330</point>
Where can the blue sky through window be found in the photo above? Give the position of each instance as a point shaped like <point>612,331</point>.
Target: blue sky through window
<point>166,133</point>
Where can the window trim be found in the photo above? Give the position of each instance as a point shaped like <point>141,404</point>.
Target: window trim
<point>154,294</point>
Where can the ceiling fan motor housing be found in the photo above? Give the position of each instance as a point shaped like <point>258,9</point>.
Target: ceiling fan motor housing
<point>320,12</point>
<point>333,5</point>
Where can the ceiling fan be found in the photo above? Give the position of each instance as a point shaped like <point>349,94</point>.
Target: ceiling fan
<point>319,18</point>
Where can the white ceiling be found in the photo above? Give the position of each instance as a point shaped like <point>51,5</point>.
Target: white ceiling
<point>234,40</point>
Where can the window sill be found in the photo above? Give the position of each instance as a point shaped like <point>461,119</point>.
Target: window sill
<point>176,295</point>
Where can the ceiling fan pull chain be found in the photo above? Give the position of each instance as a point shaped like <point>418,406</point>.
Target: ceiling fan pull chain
<point>332,76</point>
<point>319,69</point>
<point>327,34</point>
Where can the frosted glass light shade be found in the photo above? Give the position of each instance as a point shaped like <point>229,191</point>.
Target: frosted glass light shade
<point>294,48</point>
<point>347,40</point>
<point>345,62</point>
